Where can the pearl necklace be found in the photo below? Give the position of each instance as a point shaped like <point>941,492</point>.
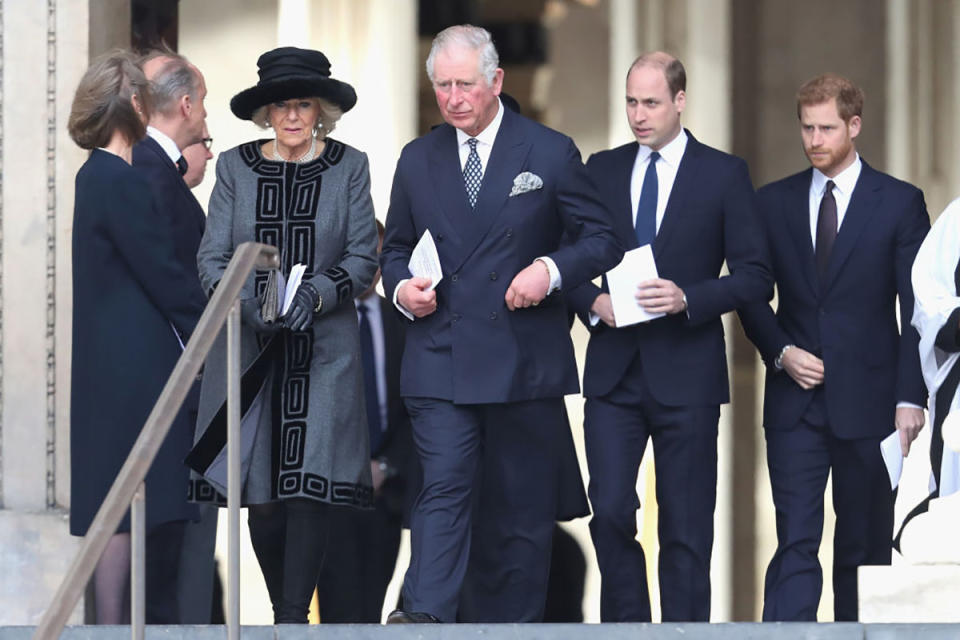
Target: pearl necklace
<point>306,157</point>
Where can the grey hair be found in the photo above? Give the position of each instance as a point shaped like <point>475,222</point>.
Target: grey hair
<point>469,37</point>
<point>327,122</point>
<point>175,79</point>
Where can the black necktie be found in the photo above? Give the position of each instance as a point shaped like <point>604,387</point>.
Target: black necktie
<point>182,165</point>
<point>370,390</point>
<point>826,230</point>
<point>646,224</point>
<point>472,173</point>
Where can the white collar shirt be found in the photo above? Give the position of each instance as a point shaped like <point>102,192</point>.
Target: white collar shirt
<point>485,140</point>
<point>670,156</point>
<point>844,183</point>
<point>166,143</point>
<point>372,306</point>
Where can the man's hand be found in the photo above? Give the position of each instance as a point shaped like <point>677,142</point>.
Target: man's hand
<point>660,296</point>
<point>379,476</point>
<point>909,421</point>
<point>805,368</point>
<point>529,287</point>
<point>602,307</point>
<point>416,298</point>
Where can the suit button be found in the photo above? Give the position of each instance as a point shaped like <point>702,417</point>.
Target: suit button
<point>493,275</point>
<point>454,278</point>
<point>509,233</point>
<point>455,317</point>
<point>439,237</point>
<point>493,315</point>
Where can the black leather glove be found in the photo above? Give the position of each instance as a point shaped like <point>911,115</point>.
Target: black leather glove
<point>300,314</point>
<point>250,316</point>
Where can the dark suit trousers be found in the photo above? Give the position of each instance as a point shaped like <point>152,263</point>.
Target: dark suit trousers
<point>800,459</point>
<point>616,429</point>
<point>480,544</point>
<point>163,546</point>
<point>355,575</point>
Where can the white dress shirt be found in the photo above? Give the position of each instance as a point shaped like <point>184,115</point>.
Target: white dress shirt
<point>844,183</point>
<point>670,156</point>
<point>372,306</point>
<point>166,143</point>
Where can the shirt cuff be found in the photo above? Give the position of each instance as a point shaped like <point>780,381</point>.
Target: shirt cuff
<point>593,318</point>
<point>555,281</point>
<point>396,302</point>
<point>908,405</point>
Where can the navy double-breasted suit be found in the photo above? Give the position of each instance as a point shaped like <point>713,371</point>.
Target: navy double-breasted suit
<point>666,378</point>
<point>849,321</point>
<point>473,370</point>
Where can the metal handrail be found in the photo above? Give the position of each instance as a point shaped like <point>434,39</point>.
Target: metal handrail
<point>129,481</point>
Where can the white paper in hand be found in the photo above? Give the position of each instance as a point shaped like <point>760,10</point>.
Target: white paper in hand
<point>290,288</point>
<point>892,455</point>
<point>425,261</point>
<point>637,265</point>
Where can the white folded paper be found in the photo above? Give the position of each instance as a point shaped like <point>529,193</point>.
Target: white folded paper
<point>637,265</point>
<point>892,457</point>
<point>425,261</point>
<point>289,288</point>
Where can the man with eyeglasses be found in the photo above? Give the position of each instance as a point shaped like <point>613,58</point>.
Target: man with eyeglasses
<point>177,121</point>
<point>196,156</point>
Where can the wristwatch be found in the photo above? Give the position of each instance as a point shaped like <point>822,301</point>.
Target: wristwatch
<point>778,361</point>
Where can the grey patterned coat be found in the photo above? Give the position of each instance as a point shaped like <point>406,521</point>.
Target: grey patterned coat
<point>311,429</point>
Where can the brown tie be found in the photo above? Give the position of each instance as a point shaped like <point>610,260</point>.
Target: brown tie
<point>826,230</point>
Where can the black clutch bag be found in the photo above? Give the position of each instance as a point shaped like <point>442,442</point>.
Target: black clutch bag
<point>269,298</point>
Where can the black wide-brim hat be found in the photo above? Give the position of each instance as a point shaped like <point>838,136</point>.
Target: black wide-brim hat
<point>290,72</point>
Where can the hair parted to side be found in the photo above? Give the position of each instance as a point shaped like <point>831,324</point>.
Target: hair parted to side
<point>822,88</point>
<point>103,102</point>
<point>330,114</point>
<point>175,79</point>
<point>671,67</point>
<point>466,36</point>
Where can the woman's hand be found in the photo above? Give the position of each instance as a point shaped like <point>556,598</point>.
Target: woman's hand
<point>300,314</point>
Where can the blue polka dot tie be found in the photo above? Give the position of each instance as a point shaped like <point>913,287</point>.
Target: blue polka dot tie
<point>472,173</point>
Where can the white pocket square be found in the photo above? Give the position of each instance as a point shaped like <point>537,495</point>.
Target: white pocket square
<point>524,182</point>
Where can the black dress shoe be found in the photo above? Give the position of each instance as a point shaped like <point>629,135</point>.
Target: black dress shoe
<point>410,617</point>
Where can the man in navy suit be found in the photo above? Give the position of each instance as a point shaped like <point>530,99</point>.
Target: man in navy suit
<point>178,121</point>
<point>840,377</point>
<point>488,356</point>
<point>665,379</point>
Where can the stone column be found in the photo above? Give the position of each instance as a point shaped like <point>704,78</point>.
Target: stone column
<point>43,52</point>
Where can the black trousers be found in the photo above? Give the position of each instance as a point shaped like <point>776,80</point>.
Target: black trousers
<point>480,543</point>
<point>355,575</point>
<point>799,460</point>
<point>163,546</point>
<point>616,429</point>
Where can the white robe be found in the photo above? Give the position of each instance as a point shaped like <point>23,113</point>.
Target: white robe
<point>935,294</point>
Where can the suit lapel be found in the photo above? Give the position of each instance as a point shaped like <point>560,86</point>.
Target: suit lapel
<point>797,214</point>
<point>683,185</point>
<point>620,185</point>
<point>506,160</point>
<point>154,147</point>
<point>448,186</point>
<point>863,204</point>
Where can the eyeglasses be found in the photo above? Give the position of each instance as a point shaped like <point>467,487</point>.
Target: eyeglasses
<point>207,142</point>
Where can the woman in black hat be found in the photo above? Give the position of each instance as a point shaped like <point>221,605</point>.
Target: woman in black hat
<point>308,195</point>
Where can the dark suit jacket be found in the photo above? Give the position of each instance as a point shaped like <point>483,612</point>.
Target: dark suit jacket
<point>710,218</point>
<point>174,201</point>
<point>472,349</point>
<point>129,294</point>
<point>851,321</point>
